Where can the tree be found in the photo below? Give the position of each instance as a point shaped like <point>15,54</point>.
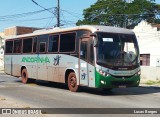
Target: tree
<point>120,13</point>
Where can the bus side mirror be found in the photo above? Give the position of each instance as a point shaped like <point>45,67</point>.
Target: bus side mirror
<point>95,40</point>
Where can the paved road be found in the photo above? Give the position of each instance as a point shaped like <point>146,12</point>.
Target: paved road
<point>49,95</point>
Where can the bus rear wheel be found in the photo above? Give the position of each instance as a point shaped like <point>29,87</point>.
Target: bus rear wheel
<point>25,78</point>
<point>24,75</point>
<point>72,82</point>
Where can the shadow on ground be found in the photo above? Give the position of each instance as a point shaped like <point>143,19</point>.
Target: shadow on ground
<point>114,92</point>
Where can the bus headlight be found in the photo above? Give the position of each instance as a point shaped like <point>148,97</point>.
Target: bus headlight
<point>138,73</point>
<point>102,82</point>
<point>102,72</point>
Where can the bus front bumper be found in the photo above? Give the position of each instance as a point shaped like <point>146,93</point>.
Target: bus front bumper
<point>116,82</point>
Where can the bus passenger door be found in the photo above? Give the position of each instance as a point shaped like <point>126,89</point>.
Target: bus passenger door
<point>83,65</point>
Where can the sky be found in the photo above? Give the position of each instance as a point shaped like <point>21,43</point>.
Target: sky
<point>71,12</point>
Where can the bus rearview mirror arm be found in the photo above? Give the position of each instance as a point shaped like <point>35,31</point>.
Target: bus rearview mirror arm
<point>95,39</point>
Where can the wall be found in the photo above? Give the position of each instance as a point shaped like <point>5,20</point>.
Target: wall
<point>150,73</point>
<point>149,41</point>
<point>18,30</point>
<point>1,39</point>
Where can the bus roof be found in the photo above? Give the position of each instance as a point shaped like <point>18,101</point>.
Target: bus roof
<point>92,28</point>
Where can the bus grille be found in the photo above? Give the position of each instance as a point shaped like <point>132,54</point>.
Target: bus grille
<point>122,76</point>
<point>117,83</point>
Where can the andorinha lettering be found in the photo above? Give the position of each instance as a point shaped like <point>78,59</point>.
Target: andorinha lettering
<point>35,60</point>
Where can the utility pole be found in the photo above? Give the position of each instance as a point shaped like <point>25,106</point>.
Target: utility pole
<point>58,14</point>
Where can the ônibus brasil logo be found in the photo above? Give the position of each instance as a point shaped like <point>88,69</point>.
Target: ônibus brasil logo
<point>36,59</point>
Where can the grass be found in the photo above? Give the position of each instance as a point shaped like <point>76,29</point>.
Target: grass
<point>150,82</point>
<point>27,107</point>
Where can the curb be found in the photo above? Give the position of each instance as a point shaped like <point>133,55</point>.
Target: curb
<point>149,86</point>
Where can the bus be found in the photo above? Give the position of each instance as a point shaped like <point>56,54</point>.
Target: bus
<point>94,56</point>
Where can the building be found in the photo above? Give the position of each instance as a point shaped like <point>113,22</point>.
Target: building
<point>2,36</point>
<point>18,30</point>
<point>149,44</point>
<point>9,32</point>
<point>13,31</point>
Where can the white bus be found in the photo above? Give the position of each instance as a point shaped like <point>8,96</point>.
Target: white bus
<point>94,56</point>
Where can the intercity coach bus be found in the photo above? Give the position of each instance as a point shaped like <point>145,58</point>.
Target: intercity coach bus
<point>94,56</point>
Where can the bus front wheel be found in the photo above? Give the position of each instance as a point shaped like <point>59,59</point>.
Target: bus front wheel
<point>107,89</point>
<point>72,82</point>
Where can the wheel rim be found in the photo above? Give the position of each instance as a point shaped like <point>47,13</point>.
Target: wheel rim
<point>24,75</point>
<point>72,81</point>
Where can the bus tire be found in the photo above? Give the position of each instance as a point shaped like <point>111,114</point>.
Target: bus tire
<point>24,75</point>
<point>25,79</point>
<point>72,82</point>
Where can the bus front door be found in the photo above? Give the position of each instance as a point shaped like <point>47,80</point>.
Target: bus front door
<point>83,65</point>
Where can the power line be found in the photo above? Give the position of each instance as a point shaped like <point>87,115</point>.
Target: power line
<point>64,18</point>
<point>76,15</point>
<point>57,14</point>
<point>49,22</point>
<point>22,14</point>
<point>27,20</point>
<point>43,7</point>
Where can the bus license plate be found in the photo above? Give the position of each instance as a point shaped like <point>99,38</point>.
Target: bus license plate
<point>122,86</point>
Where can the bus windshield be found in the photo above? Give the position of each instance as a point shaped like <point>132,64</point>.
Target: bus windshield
<point>117,49</point>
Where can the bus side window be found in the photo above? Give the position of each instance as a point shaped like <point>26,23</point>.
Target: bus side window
<point>27,45</point>
<point>53,43</point>
<point>67,42</point>
<point>17,46</point>
<point>83,53</point>
<point>9,47</point>
<point>42,43</point>
<point>91,57</point>
<point>42,47</point>
<point>34,44</point>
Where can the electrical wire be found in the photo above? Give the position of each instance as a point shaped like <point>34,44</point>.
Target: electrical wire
<point>28,20</point>
<point>6,17</point>
<point>73,14</point>
<point>43,7</point>
<point>54,13</point>
<point>49,22</point>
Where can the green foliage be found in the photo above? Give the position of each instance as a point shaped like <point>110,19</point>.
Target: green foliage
<point>120,13</point>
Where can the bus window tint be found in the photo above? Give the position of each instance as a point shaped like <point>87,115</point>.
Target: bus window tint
<point>42,43</point>
<point>17,46</point>
<point>27,45</point>
<point>91,60</point>
<point>53,43</point>
<point>35,44</point>
<point>83,52</point>
<point>9,46</point>
<point>67,42</point>
<point>42,47</point>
